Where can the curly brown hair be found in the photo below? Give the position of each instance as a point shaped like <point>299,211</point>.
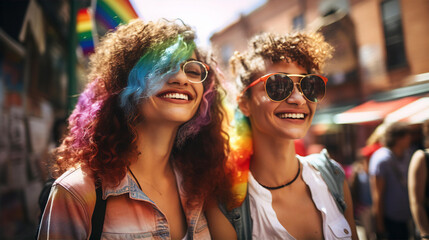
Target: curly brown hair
<point>101,134</point>
<point>394,132</point>
<point>307,49</point>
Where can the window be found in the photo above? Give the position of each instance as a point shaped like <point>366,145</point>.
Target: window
<point>226,53</point>
<point>298,22</point>
<point>392,25</point>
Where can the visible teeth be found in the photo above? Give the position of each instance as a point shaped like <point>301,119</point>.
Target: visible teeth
<point>175,96</point>
<point>292,115</point>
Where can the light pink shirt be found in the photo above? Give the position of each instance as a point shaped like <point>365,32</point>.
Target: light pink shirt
<point>130,214</point>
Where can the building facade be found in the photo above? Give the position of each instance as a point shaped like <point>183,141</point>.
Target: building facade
<point>39,71</point>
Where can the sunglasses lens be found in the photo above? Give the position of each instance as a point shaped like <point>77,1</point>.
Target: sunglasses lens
<point>313,88</point>
<point>195,71</point>
<point>279,87</point>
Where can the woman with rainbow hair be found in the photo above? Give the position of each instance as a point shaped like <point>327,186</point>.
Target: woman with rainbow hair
<point>147,134</point>
<point>281,195</point>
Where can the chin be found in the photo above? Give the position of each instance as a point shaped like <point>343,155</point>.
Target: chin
<point>178,114</point>
<point>180,118</point>
<point>295,135</point>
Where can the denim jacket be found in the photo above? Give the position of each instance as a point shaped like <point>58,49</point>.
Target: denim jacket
<point>130,214</point>
<point>331,172</point>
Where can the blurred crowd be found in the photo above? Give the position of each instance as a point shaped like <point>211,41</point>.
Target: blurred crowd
<point>388,183</point>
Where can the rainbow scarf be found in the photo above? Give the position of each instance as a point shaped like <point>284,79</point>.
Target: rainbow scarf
<point>84,31</point>
<point>241,149</point>
<point>111,13</point>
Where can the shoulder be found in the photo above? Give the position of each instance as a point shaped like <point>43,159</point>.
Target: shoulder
<point>419,154</point>
<point>418,159</point>
<point>69,208</point>
<point>332,174</point>
<point>78,183</point>
<point>381,154</point>
<point>322,162</point>
<point>380,157</point>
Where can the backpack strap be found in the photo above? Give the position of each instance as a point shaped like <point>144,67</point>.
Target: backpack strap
<point>333,175</point>
<point>240,218</point>
<point>97,220</point>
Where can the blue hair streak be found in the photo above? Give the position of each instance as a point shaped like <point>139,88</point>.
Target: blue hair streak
<point>153,70</point>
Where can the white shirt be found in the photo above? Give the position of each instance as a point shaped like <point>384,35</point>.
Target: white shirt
<point>265,222</point>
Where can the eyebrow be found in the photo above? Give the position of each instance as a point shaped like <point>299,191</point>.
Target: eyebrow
<point>187,60</point>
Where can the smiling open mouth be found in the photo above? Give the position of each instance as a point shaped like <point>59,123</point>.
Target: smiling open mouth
<point>291,115</point>
<point>180,96</point>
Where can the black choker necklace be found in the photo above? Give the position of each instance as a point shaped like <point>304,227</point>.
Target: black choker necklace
<point>286,184</point>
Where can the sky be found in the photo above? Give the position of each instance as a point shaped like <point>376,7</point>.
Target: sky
<point>205,16</point>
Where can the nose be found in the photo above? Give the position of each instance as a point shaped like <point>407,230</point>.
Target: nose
<point>179,78</point>
<point>296,96</point>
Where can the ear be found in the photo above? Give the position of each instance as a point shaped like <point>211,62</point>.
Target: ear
<point>243,104</point>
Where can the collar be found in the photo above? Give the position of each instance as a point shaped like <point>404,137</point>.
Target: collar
<point>129,186</point>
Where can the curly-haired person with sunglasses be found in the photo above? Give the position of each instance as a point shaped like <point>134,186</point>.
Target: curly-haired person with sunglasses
<point>281,195</point>
<point>146,135</point>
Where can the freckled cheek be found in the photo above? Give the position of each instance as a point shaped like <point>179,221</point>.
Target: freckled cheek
<point>265,99</point>
<point>262,109</point>
<point>261,99</point>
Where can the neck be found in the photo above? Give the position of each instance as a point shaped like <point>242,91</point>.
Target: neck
<point>154,143</point>
<point>274,160</point>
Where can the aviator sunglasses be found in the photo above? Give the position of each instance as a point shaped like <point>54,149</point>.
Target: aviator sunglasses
<point>279,86</point>
<point>195,71</point>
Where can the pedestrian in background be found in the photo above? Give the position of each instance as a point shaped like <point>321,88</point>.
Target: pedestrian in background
<point>361,191</point>
<point>388,169</point>
<point>418,186</point>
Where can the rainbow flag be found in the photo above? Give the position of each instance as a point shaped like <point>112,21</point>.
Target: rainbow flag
<point>84,31</point>
<point>111,13</point>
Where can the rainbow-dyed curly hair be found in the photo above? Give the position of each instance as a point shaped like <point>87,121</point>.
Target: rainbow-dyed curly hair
<point>129,65</point>
<point>307,49</point>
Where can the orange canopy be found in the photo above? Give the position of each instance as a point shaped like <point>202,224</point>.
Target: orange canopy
<point>371,111</point>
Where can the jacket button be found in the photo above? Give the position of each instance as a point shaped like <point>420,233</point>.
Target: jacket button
<point>346,231</point>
